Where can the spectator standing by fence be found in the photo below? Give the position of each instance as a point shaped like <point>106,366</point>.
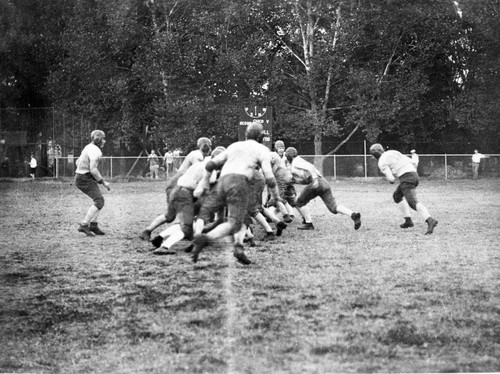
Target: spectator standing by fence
<point>414,158</point>
<point>169,162</point>
<point>153,164</point>
<point>476,163</point>
<point>177,159</point>
<point>33,165</point>
<point>51,156</point>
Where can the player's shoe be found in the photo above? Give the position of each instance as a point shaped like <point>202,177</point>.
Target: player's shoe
<point>145,235</point>
<point>407,223</point>
<point>431,224</point>
<point>280,226</point>
<point>95,228</point>
<point>199,242</point>
<point>240,255</point>
<point>306,226</point>
<point>356,217</point>
<point>287,218</point>
<point>156,241</point>
<point>161,251</point>
<point>86,230</point>
<point>270,236</point>
<point>189,248</point>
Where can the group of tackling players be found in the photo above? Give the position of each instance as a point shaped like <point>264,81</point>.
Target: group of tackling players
<point>222,192</point>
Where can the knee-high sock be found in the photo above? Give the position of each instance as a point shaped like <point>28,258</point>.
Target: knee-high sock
<point>199,224</point>
<point>90,214</point>
<point>344,210</point>
<point>405,208</point>
<point>248,233</point>
<point>306,213</point>
<point>96,216</point>
<point>158,221</point>
<point>281,207</point>
<point>289,209</point>
<point>266,212</point>
<point>262,221</point>
<point>423,211</point>
<point>175,235</point>
<point>170,230</point>
<point>239,236</point>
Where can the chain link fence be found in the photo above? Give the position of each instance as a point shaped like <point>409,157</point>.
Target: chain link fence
<point>445,166</point>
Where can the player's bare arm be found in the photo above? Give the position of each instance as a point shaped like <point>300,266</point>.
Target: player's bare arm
<point>95,172</point>
<point>267,170</point>
<point>215,163</point>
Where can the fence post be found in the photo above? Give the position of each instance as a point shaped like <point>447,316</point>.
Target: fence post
<point>334,167</point>
<point>111,166</point>
<point>57,167</point>
<point>445,166</point>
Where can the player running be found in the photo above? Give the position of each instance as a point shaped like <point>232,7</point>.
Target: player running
<point>306,173</point>
<point>394,164</point>
<point>238,163</point>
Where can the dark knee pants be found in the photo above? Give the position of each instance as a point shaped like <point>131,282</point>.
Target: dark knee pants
<point>87,184</point>
<point>408,183</point>
<point>232,191</point>
<point>323,190</point>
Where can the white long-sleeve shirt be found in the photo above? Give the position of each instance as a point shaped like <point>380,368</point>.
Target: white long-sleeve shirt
<point>303,172</point>
<point>476,157</point>
<point>395,164</point>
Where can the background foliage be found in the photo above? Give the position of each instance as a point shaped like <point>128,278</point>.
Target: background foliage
<point>160,73</point>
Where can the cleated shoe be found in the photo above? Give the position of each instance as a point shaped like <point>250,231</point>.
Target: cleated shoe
<point>306,226</point>
<point>86,230</point>
<point>280,226</point>
<point>95,228</point>
<point>189,248</point>
<point>287,218</point>
<point>145,235</point>
<point>269,236</point>
<point>407,224</point>
<point>240,255</point>
<point>251,243</point>
<point>356,217</point>
<point>161,251</point>
<point>431,224</point>
<point>156,241</point>
<point>199,242</point>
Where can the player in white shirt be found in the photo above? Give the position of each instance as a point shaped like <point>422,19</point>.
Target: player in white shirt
<point>306,173</point>
<point>87,178</point>
<point>183,206</point>
<point>394,165</point>
<point>238,164</point>
<point>204,149</point>
<point>414,158</point>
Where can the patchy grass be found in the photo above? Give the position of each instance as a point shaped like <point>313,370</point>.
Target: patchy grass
<point>380,299</point>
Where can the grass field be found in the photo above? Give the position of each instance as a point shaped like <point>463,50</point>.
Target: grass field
<point>380,299</point>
